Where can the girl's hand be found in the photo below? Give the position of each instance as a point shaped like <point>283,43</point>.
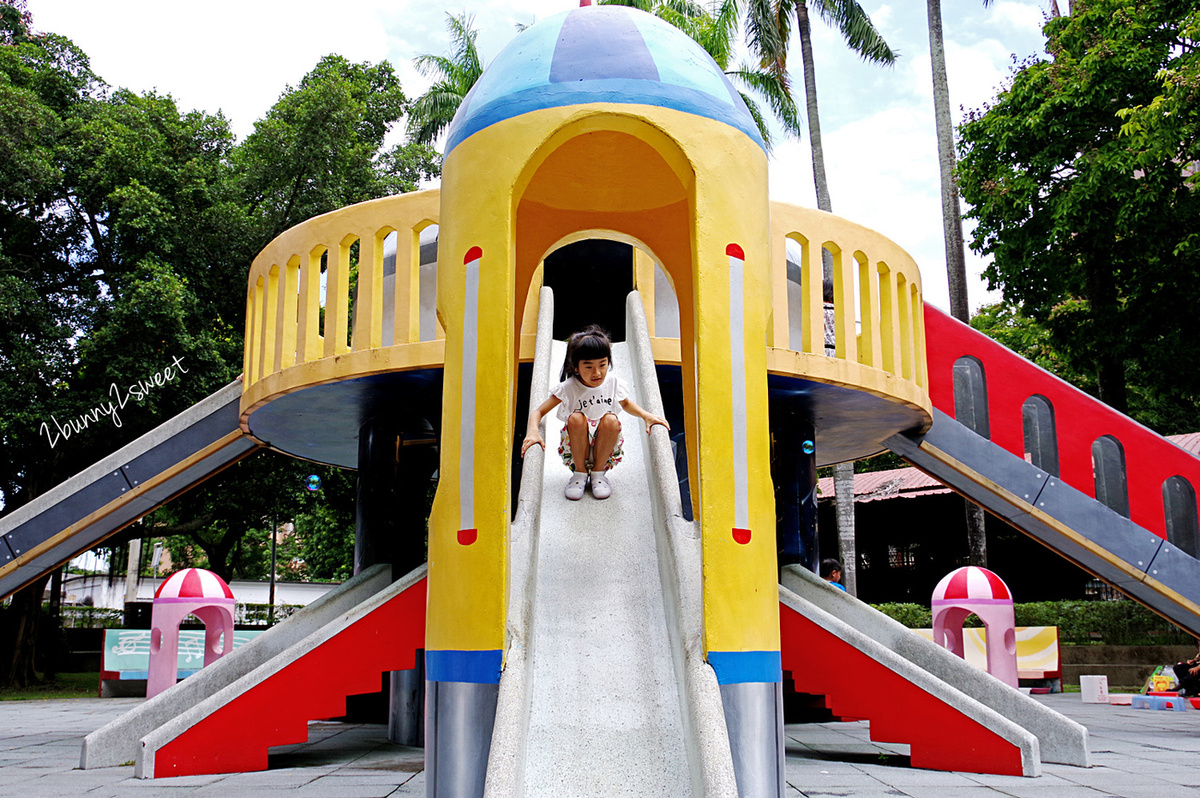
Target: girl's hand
<point>532,439</point>
<point>652,419</point>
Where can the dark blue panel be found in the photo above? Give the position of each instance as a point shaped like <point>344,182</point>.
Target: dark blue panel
<point>1178,570</point>
<point>987,459</point>
<point>6,555</point>
<point>70,510</point>
<point>598,46</point>
<point>184,444</point>
<point>1110,531</point>
<point>321,423</point>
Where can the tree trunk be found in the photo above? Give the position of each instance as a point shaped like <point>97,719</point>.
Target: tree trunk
<point>1110,333</point>
<point>25,612</point>
<point>843,488</point>
<point>976,537</point>
<point>810,98</point>
<point>956,267</point>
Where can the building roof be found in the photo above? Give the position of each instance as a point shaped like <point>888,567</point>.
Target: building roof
<point>908,483</point>
<point>600,54</point>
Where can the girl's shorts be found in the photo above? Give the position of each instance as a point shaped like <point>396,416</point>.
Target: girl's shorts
<point>564,447</point>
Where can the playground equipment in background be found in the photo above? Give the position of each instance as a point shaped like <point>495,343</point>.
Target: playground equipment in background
<point>977,591</point>
<point>192,591</point>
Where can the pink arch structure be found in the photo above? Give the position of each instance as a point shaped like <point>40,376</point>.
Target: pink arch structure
<point>978,591</point>
<point>192,591</point>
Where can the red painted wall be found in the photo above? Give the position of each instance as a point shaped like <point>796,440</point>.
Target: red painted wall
<point>1078,417</point>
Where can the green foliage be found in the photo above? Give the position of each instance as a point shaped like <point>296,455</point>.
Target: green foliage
<point>317,148</point>
<point>912,616</point>
<point>127,228</point>
<point>1112,622</point>
<point>1007,325</point>
<point>224,525</point>
<point>1088,226</point>
<point>1079,622</point>
<point>453,76</point>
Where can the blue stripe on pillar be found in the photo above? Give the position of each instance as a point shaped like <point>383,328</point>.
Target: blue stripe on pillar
<point>476,667</point>
<point>739,667</point>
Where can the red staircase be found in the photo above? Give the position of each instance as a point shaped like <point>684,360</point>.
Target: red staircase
<point>856,686</point>
<point>236,737</point>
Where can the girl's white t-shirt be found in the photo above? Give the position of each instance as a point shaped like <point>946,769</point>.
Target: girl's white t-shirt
<point>592,402</point>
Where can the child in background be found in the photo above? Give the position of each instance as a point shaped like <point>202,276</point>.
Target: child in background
<point>831,572</point>
<point>588,400</point>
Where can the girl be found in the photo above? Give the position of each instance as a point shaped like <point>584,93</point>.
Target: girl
<point>588,400</point>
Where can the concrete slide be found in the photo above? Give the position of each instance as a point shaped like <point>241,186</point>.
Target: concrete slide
<point>604,635</point>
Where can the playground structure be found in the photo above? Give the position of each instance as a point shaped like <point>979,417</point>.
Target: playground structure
<point>604,123</point>
<point>977,591</point>
<point>192,591</point>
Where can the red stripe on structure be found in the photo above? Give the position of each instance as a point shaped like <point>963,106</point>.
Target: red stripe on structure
<point>192,584</point>
<point>999,589</point>
<point>741,535</point>
<point>734,251</point>
<point>467,536</point>
<point>474,253</point>
<point>959,586</point>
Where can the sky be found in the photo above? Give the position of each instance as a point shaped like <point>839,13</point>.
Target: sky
<point>877,123</point>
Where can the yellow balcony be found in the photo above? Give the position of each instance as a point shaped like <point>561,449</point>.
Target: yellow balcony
<point>335,334</point>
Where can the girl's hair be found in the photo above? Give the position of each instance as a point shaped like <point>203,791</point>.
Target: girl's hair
<point>590,343</point>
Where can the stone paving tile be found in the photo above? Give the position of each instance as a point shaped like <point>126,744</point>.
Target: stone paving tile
<point>1004,782</point>
<point>1138,754</point>
<point>883,791</point>
<point>1037,791</point>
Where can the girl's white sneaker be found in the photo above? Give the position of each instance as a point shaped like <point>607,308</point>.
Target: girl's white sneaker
<point>576,486</point>
<point>601,487</point>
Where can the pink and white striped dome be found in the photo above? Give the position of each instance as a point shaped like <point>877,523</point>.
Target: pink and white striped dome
<point>194,583</point>
<point>971,582</point>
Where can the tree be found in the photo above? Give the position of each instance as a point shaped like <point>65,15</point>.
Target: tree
<point>319,147</point>
<point>1092,229</point>
<point>956,265</point>
<point>225,524</point>
<point>454,74</point>
<point>715,29</point>
<point>126,229</point>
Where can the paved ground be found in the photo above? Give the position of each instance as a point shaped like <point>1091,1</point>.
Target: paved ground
<point>1135,753</point>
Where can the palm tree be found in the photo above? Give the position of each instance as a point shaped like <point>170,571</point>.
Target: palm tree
<point>714,28</point>
<point>956,266</point>
<point>454,76</point>
<point>768,27</point>
<point>956,269</point>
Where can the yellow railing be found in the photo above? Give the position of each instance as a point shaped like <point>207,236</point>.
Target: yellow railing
<point>878,316</point>
<point>283,301</point>
<point>876,309</point>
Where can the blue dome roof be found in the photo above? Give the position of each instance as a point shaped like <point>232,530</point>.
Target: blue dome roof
<point>600,54</point>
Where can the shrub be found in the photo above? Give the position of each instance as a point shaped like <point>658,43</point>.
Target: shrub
<point>1118,623</point>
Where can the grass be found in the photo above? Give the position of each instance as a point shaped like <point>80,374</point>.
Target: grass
<point>63,685</point>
